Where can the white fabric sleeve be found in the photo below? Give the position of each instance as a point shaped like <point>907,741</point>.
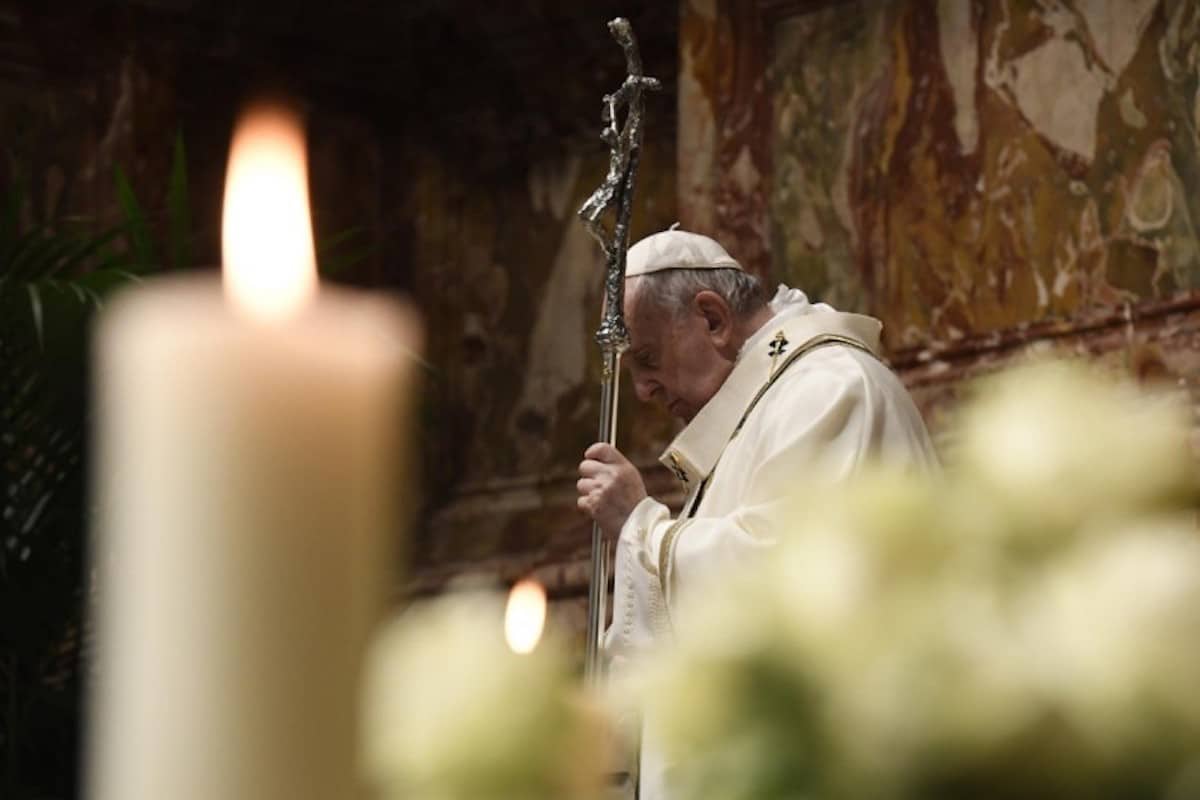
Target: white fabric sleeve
<point>639,609</point>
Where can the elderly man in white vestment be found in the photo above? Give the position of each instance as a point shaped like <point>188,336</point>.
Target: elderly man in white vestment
<point>773,395</point>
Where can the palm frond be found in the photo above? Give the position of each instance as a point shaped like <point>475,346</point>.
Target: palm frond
<point>54,275</point>
<point>179,214</point>
<point>137,228</point>
<point>339,253</point>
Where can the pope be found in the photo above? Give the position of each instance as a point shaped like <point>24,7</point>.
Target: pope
<point>774,396</point>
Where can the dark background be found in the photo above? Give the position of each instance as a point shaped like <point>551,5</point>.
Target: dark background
<point>424,121</point>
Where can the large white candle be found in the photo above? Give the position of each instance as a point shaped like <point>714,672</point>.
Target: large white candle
<point>249,476</point>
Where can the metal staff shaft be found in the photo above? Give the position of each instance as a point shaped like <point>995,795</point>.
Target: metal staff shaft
<point>616,191</point>
<point>601,549</point>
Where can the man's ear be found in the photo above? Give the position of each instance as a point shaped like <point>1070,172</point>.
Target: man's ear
<point>717,315</point>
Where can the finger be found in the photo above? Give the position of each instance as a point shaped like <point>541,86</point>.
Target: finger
<point>602,451</point>
<point>593,469</point>
<point>586,485</point>
<point>584,504</point>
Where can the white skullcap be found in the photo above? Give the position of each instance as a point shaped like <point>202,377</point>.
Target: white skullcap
<point>674,249</point>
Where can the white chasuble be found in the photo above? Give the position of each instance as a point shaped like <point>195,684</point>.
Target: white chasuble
<point>808,401</point>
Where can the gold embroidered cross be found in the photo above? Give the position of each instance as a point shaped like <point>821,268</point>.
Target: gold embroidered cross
<point>778,347</point>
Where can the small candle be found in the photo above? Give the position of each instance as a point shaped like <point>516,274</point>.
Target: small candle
<point>248,476</point>
<point>456,712</point>
<point>525,616</point>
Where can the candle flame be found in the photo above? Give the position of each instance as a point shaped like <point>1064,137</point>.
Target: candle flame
<point>525,616</point>
<point>270,269</point>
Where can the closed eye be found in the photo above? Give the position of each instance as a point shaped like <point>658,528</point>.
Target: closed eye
<point>643,359</point>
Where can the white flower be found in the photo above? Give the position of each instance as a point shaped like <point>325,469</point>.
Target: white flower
<point>1026,625</point>
<point>453,714</point>
<point>1115,626</point>
<point>1056,444</point>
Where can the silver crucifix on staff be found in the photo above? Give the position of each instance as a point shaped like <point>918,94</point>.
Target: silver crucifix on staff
<point>625,143</point>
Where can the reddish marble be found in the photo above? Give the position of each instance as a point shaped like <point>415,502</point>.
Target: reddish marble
<point>724,161</point>
<point>998,163</point>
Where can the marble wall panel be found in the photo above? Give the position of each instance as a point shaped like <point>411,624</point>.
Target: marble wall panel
<point>959,168</point>
<point>511,283</point>
<point>724,160</point>
<point>66,128</point>
<point>1158,345</point>
<point>84,93</point>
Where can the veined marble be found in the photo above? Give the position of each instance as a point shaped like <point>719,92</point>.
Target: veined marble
<point>959,168</point>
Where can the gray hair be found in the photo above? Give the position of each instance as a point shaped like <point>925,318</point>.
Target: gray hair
<point>673,289</point>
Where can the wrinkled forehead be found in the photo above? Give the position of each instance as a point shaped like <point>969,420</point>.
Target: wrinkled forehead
<point>633,288</point>
<point>645,319</point>
<point>637,306</point>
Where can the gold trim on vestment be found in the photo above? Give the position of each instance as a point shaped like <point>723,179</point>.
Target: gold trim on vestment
<point>666,550</point>
<point>644,559</point>
<point>666,559</point>
<point>806,348</point>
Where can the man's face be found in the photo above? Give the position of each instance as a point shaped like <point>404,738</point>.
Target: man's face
<point>673,359</point>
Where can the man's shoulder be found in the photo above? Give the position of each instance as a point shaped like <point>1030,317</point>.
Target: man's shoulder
<point>835,361</point>
<point>837,368</point>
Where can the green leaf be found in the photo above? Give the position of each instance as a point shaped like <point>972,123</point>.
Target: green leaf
<point>22,250</point>
<point>91,248</point>
<point>45,257</point>
<point>42,256</point>
<point>340,238</point>
<point>35,311</point>
<point>10,220</point>
<point>100,283</point>
<point>179,215</point>
<point>337,254</point>
<point>136,226</point>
